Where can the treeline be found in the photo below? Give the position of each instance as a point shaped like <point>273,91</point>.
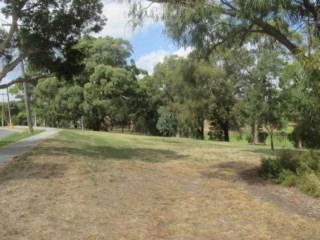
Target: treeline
<point>257,86</point>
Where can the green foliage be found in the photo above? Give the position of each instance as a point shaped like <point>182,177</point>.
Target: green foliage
<point>47,32</point>
<point>270,168</point>
<point>292,169</point>
<point>166,123</point>
<point>262,103</point>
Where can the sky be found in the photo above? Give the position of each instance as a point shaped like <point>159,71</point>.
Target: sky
<point>150,45</point>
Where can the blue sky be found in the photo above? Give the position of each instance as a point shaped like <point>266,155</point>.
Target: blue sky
<point>150,45</point>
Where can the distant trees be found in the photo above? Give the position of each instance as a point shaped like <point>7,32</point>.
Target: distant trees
<point>106,92</point>
<point>195,91</point>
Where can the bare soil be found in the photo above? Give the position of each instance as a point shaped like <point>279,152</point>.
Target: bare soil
<point>144,188</point>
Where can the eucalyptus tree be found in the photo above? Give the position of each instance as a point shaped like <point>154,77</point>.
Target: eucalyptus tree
<point>302,102</point>
<point>262,103</point>
<point>44,33</point>
<point>110,94</point>
<point>206,24</point>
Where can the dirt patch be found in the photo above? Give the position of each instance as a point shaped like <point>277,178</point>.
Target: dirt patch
<point>289,199</point>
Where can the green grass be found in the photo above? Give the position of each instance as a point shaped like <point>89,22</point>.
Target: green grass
<point>17,136</point>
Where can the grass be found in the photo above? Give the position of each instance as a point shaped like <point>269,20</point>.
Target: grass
<point>94,185</point>
<point>17,136</point>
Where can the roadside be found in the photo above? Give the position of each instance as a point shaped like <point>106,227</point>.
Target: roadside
<point>7,153</point>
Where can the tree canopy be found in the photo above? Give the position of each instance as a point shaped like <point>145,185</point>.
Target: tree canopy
<point>206,24</point>
<point>44,33</point>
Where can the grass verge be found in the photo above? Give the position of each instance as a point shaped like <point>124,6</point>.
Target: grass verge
<point>17,136</point>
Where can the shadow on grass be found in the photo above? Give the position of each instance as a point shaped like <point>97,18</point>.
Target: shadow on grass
<point>235,171</point>
<point>93,152</point>
<point>267,152</point>
<point>24,168</point>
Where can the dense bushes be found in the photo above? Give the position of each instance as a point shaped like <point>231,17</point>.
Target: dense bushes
<point>291,169</point>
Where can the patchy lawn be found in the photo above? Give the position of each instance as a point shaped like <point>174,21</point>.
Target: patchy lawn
<point>114,186</point>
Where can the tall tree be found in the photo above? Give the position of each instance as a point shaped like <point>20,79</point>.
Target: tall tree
<point>262,103</point>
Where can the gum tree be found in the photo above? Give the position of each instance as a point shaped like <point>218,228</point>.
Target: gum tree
<point>44,33</point>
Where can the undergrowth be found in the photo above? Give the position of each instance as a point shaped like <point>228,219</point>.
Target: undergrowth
<point>301,170</point>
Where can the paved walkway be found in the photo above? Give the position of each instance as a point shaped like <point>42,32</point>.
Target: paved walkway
<point>6,132</point>
<point>7,153</point>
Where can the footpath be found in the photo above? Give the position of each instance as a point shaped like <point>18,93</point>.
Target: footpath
<point>7,153</point>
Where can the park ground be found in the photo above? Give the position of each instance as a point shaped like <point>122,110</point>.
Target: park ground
<point>91,185</point>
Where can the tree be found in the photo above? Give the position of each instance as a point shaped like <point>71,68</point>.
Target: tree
<point>44,33</point>
<point>166,122</point>
<point>207,24</point>
<point>45,94</point>
<point>184,93</point>
<point>262,103</point>
<point>302,101</point>
<point>226,89</point>
<point>110,94</point>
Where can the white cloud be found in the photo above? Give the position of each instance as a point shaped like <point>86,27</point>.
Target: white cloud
<point>150,60</point>
<point>118,23</point>
<point>183,52</point>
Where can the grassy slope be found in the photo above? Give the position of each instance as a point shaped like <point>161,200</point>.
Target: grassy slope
<point>113,186</point>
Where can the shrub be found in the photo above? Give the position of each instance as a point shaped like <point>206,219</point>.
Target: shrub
<point>289,169</point>
<point>309,183</point>
<point>287,178</point>
<point>262,136</point>
<point>288,160</point>
<point>308,161</point>
<point>270,168</point>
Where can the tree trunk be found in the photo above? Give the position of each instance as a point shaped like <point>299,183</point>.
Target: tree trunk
<point>271,140</point>
<point>300,145</point>
<point>254,129</point>
<point>226,137</point>
<point>202,130</point>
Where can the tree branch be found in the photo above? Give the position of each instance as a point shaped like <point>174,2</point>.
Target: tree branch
<point>13,26</point>
<point>13,29</point>
<point>21,80</point>
<point>276,34</point>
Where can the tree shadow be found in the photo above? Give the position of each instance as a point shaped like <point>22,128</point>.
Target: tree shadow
<point>235,171</point>
<point>93,153</point>
<point>265,190</point>
<point>22,168</point>
<point>262,151</point>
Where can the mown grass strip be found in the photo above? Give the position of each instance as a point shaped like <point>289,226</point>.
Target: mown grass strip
<point>17,136</point>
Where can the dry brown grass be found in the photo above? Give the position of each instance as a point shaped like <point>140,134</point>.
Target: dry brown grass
<point>113,186</point>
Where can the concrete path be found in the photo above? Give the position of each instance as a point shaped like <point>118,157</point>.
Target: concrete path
<point>6,132</point>
<point>7,153</point>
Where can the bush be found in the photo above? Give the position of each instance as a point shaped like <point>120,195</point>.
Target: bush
<point>308,161</point>
<point>309,183</point>
<point>300,170</point>
<point>288,160</point>
<point>270,168</point>
<point>287,178</point>
<point>262,137</point>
